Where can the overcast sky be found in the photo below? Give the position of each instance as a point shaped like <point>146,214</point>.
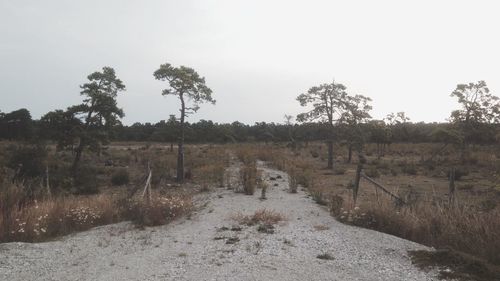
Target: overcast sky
<point>257,56</point>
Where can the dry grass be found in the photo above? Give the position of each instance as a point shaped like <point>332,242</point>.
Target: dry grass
<point>34,220</point>
<point>249,177</point>
<point>460,228</point>
<point>28,214</point>
<point>161,210</point>
<point>321,227</point>
<point>473,227</point>
<point>261,216</point>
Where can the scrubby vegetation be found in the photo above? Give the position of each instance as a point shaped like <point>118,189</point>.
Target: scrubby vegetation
<point>43,199</point>
<point>435,184</point>
<point>470,224</point>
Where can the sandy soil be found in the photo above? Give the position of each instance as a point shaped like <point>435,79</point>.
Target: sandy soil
<point>196,248</point>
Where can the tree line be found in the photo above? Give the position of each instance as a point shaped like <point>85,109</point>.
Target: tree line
<point>333,115</point>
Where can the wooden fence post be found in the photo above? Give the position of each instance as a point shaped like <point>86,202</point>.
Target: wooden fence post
<point>356,183</point>
<point>47,179</point>
<point>451,191</point>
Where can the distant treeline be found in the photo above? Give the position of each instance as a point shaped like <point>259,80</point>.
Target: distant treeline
<point>18,125</point>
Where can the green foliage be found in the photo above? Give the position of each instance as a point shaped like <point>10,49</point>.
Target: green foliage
<point>28,161</point>
<point>90,122</point>
<point>326,100</point>
<point>184,82</point>
<point>478,107</point>
<point>16,125</point>
<point>447,136</point>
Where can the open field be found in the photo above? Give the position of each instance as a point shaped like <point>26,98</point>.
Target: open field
<point>232,237</point>
<point>470,225</point>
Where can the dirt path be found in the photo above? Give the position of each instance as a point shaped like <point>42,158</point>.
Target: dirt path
<point>188,249</point>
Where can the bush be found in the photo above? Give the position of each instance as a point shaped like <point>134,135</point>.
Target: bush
<point>29,220</point>
<point>159,211</point>
<point>120,177</point>
<point>336,204</point>
<point>27,161</point>
<point>318,198</point>
<point>410,169</point>
<point>463,229</point>
<point>459,173</point>
<point>292,181</point>
<point>372,172</point>
<point>339,170</point>
<point>248,176</point>
<point>85,181</point>
<point>261,216</point>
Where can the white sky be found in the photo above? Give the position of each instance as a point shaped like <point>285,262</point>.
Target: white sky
<point>257,56</point>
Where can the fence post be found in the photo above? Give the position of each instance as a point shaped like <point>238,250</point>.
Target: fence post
<point>47,179</point>
<point>451,191</point>
<point>356,183</point>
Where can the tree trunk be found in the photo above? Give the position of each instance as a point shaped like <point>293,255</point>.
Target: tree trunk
<point>180,153</point>
<point>78,156</point>
<point>81,145</point>
<point>330,154</point>
<point>349,156</point>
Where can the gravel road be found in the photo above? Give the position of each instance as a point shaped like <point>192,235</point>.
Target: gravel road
<point>192,249</point>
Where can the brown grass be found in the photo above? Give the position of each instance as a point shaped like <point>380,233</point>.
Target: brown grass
<point>472,227</point>
<point>40,220</point>
<point>460,228</point>
<point>28,214</point>
<point>261,216</point>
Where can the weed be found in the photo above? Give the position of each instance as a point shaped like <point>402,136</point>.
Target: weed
<point>261,216</point>
<point>325,256</point>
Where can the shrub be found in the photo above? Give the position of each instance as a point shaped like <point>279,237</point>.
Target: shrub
<point>325,256</point>
<point>372,172</point>
<point>304,177</point>
<point>394,172</point>
<point>159,211</point>
<point>28,161</point>
<point>410,169</point>
<point>318,197</point>
<point>248,176</point>
<point>120,177</point>
<point>314,154</point>
<point>292,181</point>
<point>85,180</point>
<point>339,170</point>
<point>261,216</point>
<point>40,220</point>
<point>459,173</point>
<point>263,189</point>
<point>460,228</point>
<point>336,204</point>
